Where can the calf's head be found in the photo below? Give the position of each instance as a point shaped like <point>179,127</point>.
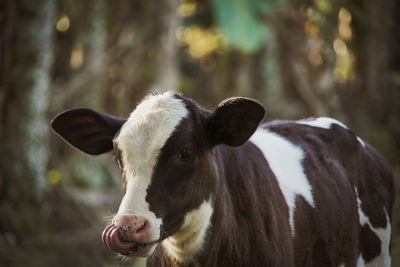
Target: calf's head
<point>165,151</point>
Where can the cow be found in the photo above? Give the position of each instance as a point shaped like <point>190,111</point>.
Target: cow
<point>216,188</point>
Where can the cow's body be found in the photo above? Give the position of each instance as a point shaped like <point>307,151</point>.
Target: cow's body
<point>297,193</point>
<point>251,221</point>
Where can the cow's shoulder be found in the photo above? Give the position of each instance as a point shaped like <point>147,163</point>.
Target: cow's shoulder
<point>322,131</point>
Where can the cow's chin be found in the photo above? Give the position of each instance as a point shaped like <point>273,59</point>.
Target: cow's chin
<point>145,251</point>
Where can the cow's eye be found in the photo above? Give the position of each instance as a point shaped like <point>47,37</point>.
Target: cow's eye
<point>186,154</point>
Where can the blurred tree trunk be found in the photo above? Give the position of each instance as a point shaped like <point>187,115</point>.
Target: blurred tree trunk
<point>80,83</point>
<point>26,59</point>
<point>141,52</point>
<point>297,78</point>
<point>374,102</point>
<point>91,37</point>
<point>96,44</point>
<point>125,47</point>
<point>167,67</point>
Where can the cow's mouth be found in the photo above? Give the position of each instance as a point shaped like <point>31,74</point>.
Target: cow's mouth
<point>112,240</point>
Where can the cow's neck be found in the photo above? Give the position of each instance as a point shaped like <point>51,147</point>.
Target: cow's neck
<point>204,228</point>
<point>185,244</point>
<point>244,232</point>
<point>238,225</point>
<point>225,239</point>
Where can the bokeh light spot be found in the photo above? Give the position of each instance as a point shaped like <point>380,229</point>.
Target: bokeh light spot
<point>76,59</point>
<point>53,176</point>
<point>311,29</point>
<point>315,58</point>
<point>200,42</point>
<point>344,28</point>
<point>323,5</point>
<point>344,15</point>
<point>63,24</point>
<point>340,47</point>
<point>186,8</point>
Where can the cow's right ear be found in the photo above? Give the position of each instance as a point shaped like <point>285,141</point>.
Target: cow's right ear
<point>90,131</point>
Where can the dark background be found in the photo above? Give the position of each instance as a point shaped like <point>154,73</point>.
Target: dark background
<point>337,58</point>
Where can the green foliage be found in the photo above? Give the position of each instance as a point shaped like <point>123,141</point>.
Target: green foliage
<point>241,21</point>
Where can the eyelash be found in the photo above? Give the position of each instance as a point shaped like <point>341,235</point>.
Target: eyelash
<point>119,163</point>
<point>181,155</point>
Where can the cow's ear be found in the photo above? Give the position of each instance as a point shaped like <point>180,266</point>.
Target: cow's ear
<point>234,121</point>
<point>90,131</point>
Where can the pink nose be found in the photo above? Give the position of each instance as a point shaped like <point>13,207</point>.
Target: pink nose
<point>132,228</point>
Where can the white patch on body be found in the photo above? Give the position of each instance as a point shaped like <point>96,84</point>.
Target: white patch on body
<point>322,122</point>
<point>326,123</point>
<point>383,259</point>
<point>140,141</point>
<point>285,160</point>
<point>189,239</point>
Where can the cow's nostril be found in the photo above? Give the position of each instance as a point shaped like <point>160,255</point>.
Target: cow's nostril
<point>132,228</point>
<point>141,227</point>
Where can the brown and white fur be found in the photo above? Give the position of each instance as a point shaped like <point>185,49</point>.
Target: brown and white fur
<point>214,189</point>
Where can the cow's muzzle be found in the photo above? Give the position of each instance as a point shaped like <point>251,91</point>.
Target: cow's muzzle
<point>122,240</point>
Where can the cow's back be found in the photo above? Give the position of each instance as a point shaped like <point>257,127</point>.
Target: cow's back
<point>339,191</point>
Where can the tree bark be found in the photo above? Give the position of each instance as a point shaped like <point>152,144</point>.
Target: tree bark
<point>26,60</point>
<point>167,69</point>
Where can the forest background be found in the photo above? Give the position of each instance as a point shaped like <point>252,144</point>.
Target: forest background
<point>300,58</point>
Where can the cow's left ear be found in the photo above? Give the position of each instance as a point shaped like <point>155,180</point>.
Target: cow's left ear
<point>234,121</point>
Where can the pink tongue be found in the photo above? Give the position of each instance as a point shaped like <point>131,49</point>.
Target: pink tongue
<point>110,239</point>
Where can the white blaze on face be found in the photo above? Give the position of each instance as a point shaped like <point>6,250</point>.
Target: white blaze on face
<point>140,141</point>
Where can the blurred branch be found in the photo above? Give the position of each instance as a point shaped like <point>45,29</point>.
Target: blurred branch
<point>306,93</point>
<point>95,66</point>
